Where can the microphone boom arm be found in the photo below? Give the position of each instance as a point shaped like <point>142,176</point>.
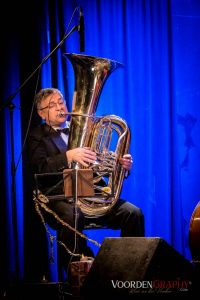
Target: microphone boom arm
<point>8,102</point>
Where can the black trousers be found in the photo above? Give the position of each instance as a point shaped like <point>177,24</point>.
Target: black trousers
<point>124,216</point>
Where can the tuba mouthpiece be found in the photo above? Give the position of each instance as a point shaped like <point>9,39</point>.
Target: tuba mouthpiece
<point>61,114</point>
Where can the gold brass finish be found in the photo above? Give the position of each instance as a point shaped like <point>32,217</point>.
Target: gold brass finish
<point>108,136</point>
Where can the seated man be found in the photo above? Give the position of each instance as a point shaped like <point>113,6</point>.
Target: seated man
<point>48,152</point>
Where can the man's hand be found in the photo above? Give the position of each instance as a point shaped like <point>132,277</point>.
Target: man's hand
<point>126,161</point>
<point>84,156</point>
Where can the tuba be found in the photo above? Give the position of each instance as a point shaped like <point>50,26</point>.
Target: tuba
<point>108,136</point>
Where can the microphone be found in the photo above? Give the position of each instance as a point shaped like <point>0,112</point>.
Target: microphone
<point>81,30</point>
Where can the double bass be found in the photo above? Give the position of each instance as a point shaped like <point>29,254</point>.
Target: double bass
<point>194,234</point>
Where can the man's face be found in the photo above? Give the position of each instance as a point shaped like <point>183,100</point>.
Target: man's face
<point>50,108</point>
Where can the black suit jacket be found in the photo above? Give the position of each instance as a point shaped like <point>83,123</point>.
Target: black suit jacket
<point>46,154</point>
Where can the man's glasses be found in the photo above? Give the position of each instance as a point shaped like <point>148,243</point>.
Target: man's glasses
<point>52,104</point>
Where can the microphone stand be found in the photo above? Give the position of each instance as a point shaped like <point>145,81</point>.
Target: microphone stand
<point>12,96</point>
<point>8,103</point>
<point>75,198</point>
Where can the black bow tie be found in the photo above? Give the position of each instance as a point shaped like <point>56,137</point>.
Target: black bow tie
<point>63,130</point>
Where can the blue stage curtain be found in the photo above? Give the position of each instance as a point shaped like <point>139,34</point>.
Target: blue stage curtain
<point>156,92</point>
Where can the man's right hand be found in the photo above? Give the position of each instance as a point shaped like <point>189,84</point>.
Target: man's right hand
<point>85,156</point>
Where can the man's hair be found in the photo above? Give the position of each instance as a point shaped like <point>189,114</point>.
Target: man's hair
<point>44,93</point>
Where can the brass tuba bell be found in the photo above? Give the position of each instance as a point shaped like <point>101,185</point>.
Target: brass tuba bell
<point>108,136</point>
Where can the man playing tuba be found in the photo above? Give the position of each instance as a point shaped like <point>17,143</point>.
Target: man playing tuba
<point>48,153</point>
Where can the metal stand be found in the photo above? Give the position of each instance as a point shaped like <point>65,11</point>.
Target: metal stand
<point>9,104</point>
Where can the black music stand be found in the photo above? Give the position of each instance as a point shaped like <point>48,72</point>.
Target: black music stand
<point>71,184</point>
